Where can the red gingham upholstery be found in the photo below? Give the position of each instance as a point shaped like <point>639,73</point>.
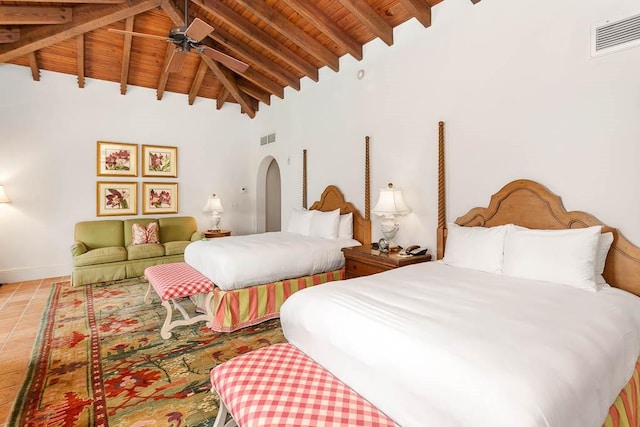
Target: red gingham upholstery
<point>279,385</point>
<point>177,280</point>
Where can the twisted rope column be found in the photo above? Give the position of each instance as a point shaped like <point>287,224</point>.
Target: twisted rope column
<point>304,178</point>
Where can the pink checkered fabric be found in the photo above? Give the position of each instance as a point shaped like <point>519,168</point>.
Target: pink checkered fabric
<point>177,280</point>
<point>279,385</point>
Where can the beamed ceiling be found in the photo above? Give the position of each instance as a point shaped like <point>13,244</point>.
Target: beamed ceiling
<point>281,41</point>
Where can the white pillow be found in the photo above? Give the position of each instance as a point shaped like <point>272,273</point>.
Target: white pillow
<point>567,257</point>
<point>604,244</point>
<point>325,224</point>
<point>299,221</point>
<point>478,248</point>
<point>345,226</point>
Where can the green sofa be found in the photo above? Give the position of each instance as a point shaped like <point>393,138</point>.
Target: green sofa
<point>102,250</point>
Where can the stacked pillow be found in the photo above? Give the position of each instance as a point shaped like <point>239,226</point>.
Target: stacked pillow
<point>326,225</point>
<point>573,257</point>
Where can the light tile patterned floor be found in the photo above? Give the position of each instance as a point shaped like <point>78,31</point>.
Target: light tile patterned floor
<point>21,308</point>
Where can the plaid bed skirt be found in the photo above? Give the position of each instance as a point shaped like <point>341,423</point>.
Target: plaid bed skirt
<point>624,411</point>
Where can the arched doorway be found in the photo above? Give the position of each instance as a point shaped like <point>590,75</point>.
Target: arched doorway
<point>269,199</point>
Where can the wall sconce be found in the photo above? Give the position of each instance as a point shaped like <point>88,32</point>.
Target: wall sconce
<point>3,196</point>
<point>214,205</point>
<point>390,203</point>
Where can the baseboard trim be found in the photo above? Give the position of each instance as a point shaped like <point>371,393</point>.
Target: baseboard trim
<point>12,275</point>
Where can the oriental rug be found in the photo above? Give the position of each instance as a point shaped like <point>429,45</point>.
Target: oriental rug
<point>99,360</point>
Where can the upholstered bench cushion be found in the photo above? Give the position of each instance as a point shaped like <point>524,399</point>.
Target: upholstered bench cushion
<point>100,256</point>
<point>279,385</point>
<point>177,280</point>
<point>145,250</point>
<point>175,248</point>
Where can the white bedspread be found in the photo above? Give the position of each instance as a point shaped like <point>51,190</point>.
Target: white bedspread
<point>435,345</point>
<point>239,261</point>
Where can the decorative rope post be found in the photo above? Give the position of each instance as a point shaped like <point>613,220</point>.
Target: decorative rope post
<point>441,193</point>
<point>367,188</point>
<point>304,179</point>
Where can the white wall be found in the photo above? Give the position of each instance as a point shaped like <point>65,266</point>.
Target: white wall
<point>512,80</point>
<point>520,97</point>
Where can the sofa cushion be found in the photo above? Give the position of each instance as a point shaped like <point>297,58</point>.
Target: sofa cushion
<point>146,250</point>
<point>100,256</point>
<point>177,228</point>
<point>175,248</point>
<point>128,227</point>
<point>99,234</point>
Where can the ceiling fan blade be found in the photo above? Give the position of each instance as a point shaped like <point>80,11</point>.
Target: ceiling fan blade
<point>132,33</point>
<point>225,59</point>
<point>198,30</point>
<point>176,60</point>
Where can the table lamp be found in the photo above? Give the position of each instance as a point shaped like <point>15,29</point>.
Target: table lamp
<point>3,196</point>
<point>390,204</point>
<point>214,205</point>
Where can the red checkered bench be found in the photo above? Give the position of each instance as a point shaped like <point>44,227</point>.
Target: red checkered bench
<point>174,281</point>
<point>279,385</point>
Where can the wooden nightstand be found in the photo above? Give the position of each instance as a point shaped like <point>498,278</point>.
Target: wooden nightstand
<point>210,234</point>
<point>363,261</point>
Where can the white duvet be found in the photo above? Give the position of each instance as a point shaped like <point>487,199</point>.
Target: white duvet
<point>437,346</point>
<point>239,261</point>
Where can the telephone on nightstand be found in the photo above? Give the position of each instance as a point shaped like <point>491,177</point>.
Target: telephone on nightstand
<point>413,250</point>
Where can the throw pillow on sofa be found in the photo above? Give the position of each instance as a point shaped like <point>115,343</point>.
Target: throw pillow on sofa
<point>141,234</point>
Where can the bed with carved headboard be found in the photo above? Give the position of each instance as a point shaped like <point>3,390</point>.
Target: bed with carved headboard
<point>460,343</point>
<point>255,274</point>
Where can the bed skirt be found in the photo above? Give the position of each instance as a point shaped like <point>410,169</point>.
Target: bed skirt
<point>240,308</point>
<point>624,411</point>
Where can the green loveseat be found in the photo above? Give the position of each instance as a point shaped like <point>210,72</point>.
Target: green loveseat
<point>102,250</point>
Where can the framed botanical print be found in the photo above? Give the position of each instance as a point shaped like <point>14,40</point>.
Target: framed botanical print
<point>117,159</point>
<point>159,161</point>
<point>159,197</point>
<point>116,198</point>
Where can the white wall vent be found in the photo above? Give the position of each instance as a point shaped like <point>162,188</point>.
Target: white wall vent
<point>268,139</point>
<point>613,36</point>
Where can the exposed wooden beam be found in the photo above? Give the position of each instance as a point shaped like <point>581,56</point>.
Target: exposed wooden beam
<point>296,35</point>
<point>9,35</point>
<point>222,98</point>
<point>85,18</point>
<point>80,59</point>
<point>253,104</point>
<point>370,18</point>
<point>35,69</point>
<point>197,81</point>
<point>126,55</point>
<point>72,1</point>
<point>475,1</point>
<point>21,15</point>
<point>325,24</point>
<point>229,82</point>
<point>420,9</point>
<point>164,74</point>
<point>254,92</point>
<point>258,36</point>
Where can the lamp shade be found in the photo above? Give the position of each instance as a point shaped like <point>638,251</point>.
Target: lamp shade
<point>3,196</point>
<point>213,204</point>
<point>390,202</point>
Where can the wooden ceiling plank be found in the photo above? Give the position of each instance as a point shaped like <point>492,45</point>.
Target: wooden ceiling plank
<point>325,24</point>
<point>85,18</point>
<point>254,92</point>
<point>126,55</point>
<point>33,64</point>
<point>72,1</point>
<point>9,35</point>
<point>164,74</point>
<point>222,98</point>
<point>292,32</point>
<point>28,15</point>
<point>265,83</point>
<point>197,82</point>
<point>229,82</point>
<point>80,59</point>
<point>420,9</point>
<point>369,17</point>
<point>259,36</point>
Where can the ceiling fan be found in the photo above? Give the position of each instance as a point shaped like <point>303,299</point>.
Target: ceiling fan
<point>187,39</point>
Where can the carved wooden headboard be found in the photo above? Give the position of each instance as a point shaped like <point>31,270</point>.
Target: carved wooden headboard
<point>532,205</point>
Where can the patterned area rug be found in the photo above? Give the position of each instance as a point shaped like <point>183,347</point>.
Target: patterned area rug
<point>99,360</point>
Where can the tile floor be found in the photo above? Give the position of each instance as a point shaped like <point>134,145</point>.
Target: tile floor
<point>21,308</point>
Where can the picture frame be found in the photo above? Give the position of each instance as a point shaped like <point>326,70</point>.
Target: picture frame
<point>116,198</point>
<point>159,198</point>
<point>160,161</point>
<point>117,159</point>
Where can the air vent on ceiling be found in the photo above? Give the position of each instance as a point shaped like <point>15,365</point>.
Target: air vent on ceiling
<point>613,36</point>
<point>268,139</point>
